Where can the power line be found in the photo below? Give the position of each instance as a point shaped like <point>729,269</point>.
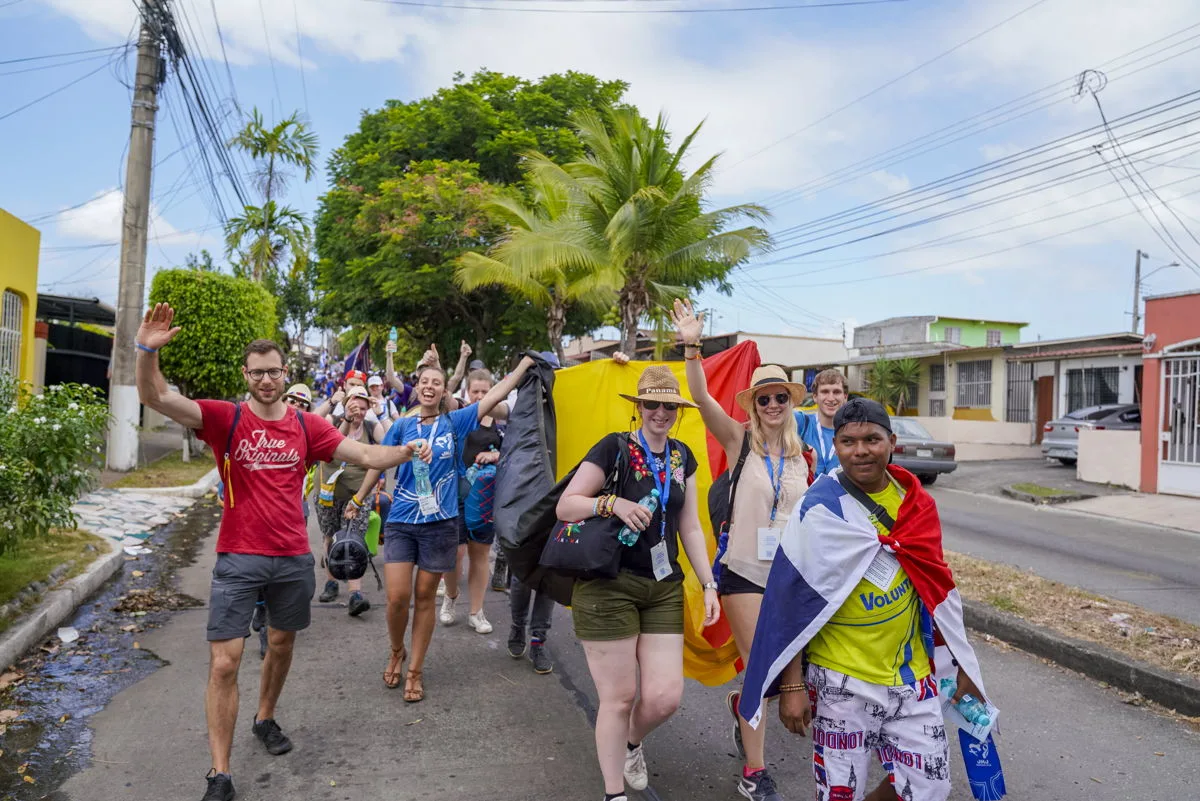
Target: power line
<point>692,10</point>
<point>64,55</point>
<point>891,82</point>
<point>271,58</point>
<point>300,56</point>
<point>224,57</point>
<point>52,93</point>
<point>55,66</point>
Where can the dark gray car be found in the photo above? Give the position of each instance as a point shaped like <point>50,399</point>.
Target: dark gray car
<point>919,453</point>
<point>1060,438</point>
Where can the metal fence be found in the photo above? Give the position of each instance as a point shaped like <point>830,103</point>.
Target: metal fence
<point>12,318</point>
<point>1181,407</point>
<point>974,384</point>
<point>1018,406</point>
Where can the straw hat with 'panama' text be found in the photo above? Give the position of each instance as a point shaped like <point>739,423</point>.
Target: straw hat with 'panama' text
<point>658,383</point>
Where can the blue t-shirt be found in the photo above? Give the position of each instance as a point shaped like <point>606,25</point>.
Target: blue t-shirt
<point>448,433</point>
<point>820,439</point>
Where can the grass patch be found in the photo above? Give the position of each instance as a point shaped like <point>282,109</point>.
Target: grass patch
<point>33,561</point>
<point>1163,641</point>
<point>169,471</point>
<point>1039,490</point>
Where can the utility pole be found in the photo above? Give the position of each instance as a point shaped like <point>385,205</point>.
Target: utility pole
<point>123,403</point>
<point>1137,290</point>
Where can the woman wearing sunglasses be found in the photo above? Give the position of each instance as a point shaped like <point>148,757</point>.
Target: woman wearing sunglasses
<point>631,626</point>
<point>773,478</point>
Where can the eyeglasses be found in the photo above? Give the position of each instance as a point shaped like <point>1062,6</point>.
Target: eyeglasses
<point>652,406</point>
<point>780,397</point>
<point>258,375</point>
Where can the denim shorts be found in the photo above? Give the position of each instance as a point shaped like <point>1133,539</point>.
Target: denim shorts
<point>287,584</point>
<point>433,547</point>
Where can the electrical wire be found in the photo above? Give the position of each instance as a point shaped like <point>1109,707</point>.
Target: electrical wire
<point>62,55</point>
<point>271,58</point>
<point>691,10</point>
<point>52,93</point>
<point>300,56</point>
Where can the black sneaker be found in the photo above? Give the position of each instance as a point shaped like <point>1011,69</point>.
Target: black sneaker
<point>517,642</point>
<point>500,576</point>
<point>731,701</point>
<point>540,659</point>
<point>272,737</point>
<point>329,593</point>
<point>220,787</point>
<point>358,604</point>
<point>259,618</point>
<point>759,787</point>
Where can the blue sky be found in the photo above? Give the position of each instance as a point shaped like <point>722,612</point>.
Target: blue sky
<point>764,83</point>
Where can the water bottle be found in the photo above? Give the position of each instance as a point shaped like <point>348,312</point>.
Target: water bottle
<point>628,536</point>
<point>393,335</point>
<point>421,473</point>
<point>971,708</point>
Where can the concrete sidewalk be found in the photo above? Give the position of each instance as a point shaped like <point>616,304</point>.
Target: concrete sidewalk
<point>1172,511</point>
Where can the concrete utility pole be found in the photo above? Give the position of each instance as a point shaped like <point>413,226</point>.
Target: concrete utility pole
<point>123,404</point>
<point>1137,290</point>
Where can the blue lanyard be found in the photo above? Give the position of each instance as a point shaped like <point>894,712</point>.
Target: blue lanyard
<point>828,455</point>
<point>776,483</point>
<point>663,483</point>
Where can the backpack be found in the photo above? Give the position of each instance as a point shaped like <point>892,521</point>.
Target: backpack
<point>348,557</point>
<point>480,503</point>
<point>724,490</point>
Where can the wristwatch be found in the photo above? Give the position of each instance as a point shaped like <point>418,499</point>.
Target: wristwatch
<point>712,585</point>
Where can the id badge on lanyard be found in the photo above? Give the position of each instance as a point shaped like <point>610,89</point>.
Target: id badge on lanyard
<point>427,500</point>
<point>660,557</point>
<point>768,536</point>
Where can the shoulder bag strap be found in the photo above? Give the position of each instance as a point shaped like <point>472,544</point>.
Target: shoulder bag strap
<point>736,474</point>
<point>226,462</point>
<point>872,506</point>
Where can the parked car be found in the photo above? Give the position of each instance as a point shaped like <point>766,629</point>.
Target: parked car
<point>1060,438</point>
<point>919,453</point>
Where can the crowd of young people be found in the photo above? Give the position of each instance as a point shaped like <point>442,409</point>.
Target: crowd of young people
<point>849,664</point>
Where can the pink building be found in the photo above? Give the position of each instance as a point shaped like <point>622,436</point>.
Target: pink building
<point>1171,395</point>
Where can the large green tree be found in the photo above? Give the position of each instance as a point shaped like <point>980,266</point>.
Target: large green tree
<point>645,217</point>
<point>488,121</point>
<point>531,262</point>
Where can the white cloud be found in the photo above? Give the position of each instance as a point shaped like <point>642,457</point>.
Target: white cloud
<point>99,220</point>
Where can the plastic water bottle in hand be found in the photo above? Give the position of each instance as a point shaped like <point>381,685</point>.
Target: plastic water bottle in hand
<point>421,472</point>
<point>393,335</point>
<point>628,536</point>
<point>969,706</point>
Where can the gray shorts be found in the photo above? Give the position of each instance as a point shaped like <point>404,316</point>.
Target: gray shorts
<point>287,584</point>
<point>433,547</point>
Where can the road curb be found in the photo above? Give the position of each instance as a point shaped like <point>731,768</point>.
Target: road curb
<point>1045,500</point>
<point>58,605</point>
<point>197,490</point>
<point>1173,691</point>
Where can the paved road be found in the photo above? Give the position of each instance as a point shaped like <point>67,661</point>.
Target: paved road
<point>1158,568</point>
<point>989,476</point>
<point>491,729</point>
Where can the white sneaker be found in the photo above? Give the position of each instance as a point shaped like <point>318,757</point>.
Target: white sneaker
<point>441,590</point>
<point>480,623</point>
<point>447,614</point>
<point>635,769</point>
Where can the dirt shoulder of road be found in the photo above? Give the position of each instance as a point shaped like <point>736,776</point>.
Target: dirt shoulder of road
<point>1157,639</point>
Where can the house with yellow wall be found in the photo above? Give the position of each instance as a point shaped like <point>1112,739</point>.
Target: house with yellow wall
<point>19,244</point>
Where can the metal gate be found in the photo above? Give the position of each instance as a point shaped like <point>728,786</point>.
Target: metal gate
<point>1179,462</point>
<point>1019,400</point>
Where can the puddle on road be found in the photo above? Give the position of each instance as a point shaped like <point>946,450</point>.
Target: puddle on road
<point>64,685</point>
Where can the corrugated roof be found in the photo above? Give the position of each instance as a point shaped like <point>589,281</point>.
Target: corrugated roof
<point>1100,350</point>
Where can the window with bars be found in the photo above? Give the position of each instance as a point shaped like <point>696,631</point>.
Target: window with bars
<point>1019,400</point>
<point>12,317</point>
<point>993,338</point>
<point>937,378</point>
<point>937,407</point>
<point>974,384</point>
<point>953,333</point>
<point>1092,386</point>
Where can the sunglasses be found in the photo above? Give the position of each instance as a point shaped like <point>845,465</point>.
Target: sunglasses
<point>295,402</point>
<point>652,406</point>
<point>780,397</point>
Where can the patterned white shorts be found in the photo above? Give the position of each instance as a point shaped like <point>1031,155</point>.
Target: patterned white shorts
<point>902,725</point>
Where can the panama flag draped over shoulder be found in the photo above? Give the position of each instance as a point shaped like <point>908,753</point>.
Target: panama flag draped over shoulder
<point>587,406</point>
<point>824,552</point>
<point>360,357</point>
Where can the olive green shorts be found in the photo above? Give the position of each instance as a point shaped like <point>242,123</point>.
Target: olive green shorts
<point>626,606</point>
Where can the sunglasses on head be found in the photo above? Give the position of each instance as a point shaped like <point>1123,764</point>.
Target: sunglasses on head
<point>780,397</point>
<point>652,406</point>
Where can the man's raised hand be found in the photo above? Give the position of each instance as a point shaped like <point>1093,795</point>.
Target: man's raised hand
<point>155,330</point>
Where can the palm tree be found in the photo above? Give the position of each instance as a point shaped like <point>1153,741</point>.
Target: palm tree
<point>544,259</point>
<point>893,381</point>
<point>262,234</point>
<point>641,216</point>
<point>288,143</point>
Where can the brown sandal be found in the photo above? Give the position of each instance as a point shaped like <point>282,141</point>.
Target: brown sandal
<point>391,676</point>
<point>414,688</point>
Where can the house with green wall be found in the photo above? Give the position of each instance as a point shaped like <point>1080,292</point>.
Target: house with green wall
<point>974,333</point>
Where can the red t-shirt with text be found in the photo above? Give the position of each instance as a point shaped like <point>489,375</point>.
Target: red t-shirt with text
<point>268,460</point>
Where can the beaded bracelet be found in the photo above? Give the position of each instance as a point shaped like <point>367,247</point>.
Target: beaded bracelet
<point>611,506</point>
<point>596,506</point>
<point>793,688</point>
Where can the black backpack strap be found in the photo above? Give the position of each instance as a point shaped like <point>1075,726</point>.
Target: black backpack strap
<point>237,415</point>
<point>872,506</point>
<point>736,473</point>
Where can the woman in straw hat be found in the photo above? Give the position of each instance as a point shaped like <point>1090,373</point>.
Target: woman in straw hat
<point>633,624</point>
<point>773,478</point>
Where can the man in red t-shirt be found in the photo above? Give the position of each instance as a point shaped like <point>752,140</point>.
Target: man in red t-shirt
<point>263,449</point>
